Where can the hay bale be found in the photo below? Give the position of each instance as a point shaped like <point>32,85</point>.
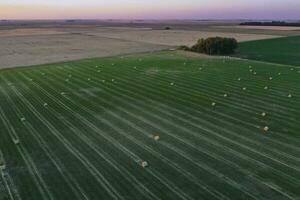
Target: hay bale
<point>225,95</point>
<point>254,73</point>
<point>263,114</point>
<point>244,88</point>
<point>290,96</point>
<point>16,141</point>
<point>45,104</point>
<point>143,163</point>
<point>156,137</point>
<point>266,128</point>
<point>271,78</point>
<point>239,79</point>
<point>279,74</point>
<point>172,84</point>
<point>213,104</point>
<point>89,79</point>
<point>266,87</point>
<point>23,119</point>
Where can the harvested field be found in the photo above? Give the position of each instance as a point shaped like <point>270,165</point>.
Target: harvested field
<point>175,37</point>
<point>40,49</point>
<point>29,32</point>
<point>60,42</point>
<point>86,129</point>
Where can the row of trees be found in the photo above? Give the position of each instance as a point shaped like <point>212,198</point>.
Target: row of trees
<point>214,46</point>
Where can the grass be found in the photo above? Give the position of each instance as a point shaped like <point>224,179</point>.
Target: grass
<point>84,127</point>
<point>280,50</point>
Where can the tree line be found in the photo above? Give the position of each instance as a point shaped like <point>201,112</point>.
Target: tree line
<point>213,46</point>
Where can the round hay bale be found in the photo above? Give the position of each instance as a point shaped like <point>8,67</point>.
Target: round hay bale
<point>45,104</point>
<point>143,163</point>
<point>254,73</point>
<point>225,95</point>
<point>279,74</point>
<point>271,78</point>
<point>263,114</point>
<point>172,84</point>
<point>290,96</point>
<point>23,119</point>
<point>16,141</point>
<point>239,79</point>
<point>266,87</point>
<point>213,104</point>
<point>266,128</point>
<point>156,137</point>
<point>244,88</point>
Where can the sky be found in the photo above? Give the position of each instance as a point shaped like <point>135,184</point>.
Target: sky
<point>150,9</point>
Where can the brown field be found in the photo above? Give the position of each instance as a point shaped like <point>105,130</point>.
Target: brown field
<point>29,32</point>
<point>173,37</point>
<point>38,42</point>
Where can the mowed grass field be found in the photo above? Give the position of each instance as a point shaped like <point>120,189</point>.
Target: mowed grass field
<point>283,50</point>
<point>228,129</point>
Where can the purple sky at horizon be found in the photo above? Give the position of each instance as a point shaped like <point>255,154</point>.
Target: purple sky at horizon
<point>150,9</point>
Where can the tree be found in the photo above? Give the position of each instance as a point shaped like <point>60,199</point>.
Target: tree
<point>215,46</point>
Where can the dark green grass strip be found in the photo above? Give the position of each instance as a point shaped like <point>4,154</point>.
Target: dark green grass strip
<point>284,50</point>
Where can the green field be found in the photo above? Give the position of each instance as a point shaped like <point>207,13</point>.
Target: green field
<point>284,50</point>
<point>79,130</point>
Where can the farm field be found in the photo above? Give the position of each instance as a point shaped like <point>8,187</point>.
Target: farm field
<point>279,50</point>
<point>28,43</point>
<point>208,128</point>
